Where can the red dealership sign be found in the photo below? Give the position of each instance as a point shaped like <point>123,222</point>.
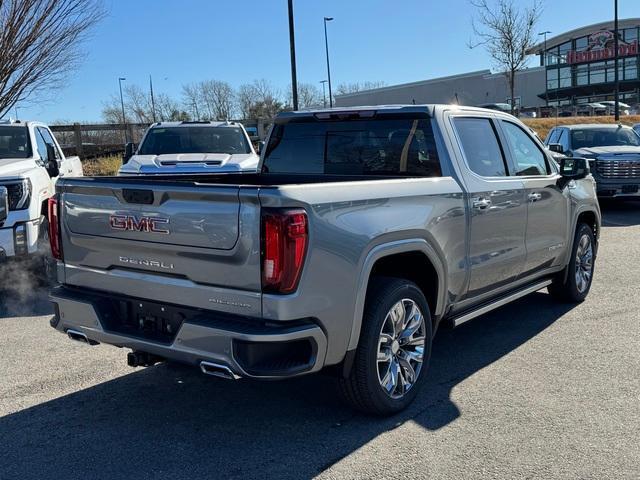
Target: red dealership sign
<point>602,47</point>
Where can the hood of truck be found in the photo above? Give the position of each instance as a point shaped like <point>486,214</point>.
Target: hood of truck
<point>593,152</point>
<point>16,167</point>
<point>190,163</point>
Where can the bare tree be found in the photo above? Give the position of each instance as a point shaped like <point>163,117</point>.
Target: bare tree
<point>138,106</point>
<point>219,98</point>
<point>192,99</point>
<point>345,88</point>
<point>506,32</point>
<point>308,96</point>
<point>39,44</point>
<point>259,99</point>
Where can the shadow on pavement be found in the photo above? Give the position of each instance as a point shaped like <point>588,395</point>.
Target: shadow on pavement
<point>172,422</point>
<point>620,213</point>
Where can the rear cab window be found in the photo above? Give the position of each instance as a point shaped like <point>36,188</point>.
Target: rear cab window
<point>396,146</point>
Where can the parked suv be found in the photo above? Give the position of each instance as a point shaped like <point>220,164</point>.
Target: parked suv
<point>31,161</point>
<point>365,230</point>
<point>613,152</point>
<point>190,148</point>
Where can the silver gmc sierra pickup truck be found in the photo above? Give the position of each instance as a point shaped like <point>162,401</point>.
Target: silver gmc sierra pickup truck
<point>364,230</point>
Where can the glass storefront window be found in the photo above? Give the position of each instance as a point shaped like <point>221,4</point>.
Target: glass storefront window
<point>582,43</point>
<point>562,52</point>
<point>565,77</point>
<point>552,56</point>
<point>631,68</point>
<point>596,73</point>
<point>630,34</point>
<point>552,79</point>
<point>582,75</point>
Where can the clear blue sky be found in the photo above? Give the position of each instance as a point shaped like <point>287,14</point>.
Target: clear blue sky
<point>182,41</point>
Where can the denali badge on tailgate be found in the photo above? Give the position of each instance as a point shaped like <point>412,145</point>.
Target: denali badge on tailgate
<point>4,208</point>
<point>138,224</point>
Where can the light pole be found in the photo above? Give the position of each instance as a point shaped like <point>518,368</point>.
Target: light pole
<point>153,101</point>
<point>324,94</point>
<point>124,119</point>
<point>544,62</point>
<point>326,46</point>
<point>615,46</point>
<point>292,47</point>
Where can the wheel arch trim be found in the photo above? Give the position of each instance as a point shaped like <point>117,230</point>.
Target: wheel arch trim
<point>385,250</point>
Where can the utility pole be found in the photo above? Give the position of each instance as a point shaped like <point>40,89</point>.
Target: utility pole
<point>292,46</point>
<point>617,77</point>
<point>326,46</point>
<point>124,119</point>
<point>153,101</point>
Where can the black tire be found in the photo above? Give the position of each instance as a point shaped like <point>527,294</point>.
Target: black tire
<point>362,389</point>
<point>565,286</point>
<point>43,264</point>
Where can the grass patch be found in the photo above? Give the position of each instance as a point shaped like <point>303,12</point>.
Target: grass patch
<point>102,166</point>
<point>543,125</point>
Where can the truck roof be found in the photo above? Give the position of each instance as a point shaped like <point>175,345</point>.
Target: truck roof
<point>587,126</point>
<point>429,109</point>
<point>197,123</point>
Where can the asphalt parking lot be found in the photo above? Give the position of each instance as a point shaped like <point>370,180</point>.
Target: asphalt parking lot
<point>533,390</point>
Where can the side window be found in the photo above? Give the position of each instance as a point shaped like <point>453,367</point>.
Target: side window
<point>527,157</point>
<point>552,137</point>
<point>41,145</point>
<point>564,139</point>
<point>480,146</point>
<point>46,135</point>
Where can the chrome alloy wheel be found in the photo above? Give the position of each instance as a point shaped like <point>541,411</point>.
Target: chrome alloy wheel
<point>584,263</point>
<point>401,348</point>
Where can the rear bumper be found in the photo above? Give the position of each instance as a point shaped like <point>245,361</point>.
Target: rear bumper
<point>248,347</point>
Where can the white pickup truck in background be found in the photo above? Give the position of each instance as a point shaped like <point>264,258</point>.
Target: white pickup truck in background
<point>31,161</point>
<point>191,148</point>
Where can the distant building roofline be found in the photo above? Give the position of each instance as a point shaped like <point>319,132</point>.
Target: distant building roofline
<point>581,32</point>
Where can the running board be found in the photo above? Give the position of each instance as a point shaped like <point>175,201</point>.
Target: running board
<point>465,317</point>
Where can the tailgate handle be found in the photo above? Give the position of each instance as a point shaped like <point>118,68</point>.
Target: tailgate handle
<point>143,197</point>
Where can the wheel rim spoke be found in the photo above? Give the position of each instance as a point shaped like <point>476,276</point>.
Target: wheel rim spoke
<point>401,348</point>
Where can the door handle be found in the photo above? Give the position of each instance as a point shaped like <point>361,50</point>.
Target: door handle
<point>534,197</point>
<point>481,203</point>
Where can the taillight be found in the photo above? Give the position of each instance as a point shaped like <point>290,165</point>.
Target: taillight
<point>284,244</point>
<point>54,228</point>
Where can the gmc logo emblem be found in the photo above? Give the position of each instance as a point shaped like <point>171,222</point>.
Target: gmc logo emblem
<point>131,223</point>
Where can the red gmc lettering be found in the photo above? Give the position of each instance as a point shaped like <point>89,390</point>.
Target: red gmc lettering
<point>134,224</point>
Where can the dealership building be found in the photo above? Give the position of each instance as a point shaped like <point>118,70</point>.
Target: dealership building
<point>576,67</point>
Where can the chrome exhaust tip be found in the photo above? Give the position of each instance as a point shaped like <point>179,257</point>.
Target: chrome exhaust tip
<point>80,337</point>
<point>218,370</point>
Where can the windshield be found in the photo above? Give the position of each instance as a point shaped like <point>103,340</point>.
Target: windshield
<point>14,142</point>
<point>354,147</point>
<point>604,137</point>
<point>174,140</point>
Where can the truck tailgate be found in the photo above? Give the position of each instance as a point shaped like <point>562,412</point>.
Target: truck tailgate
<point>161,240</point>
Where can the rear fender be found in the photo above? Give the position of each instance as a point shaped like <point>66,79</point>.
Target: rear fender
<point>385,250</point>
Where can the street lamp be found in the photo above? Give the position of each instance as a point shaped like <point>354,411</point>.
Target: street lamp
<point>544,62</point>
<point>324,95</point>
<point>326,46</point>
<point>124,119</point>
